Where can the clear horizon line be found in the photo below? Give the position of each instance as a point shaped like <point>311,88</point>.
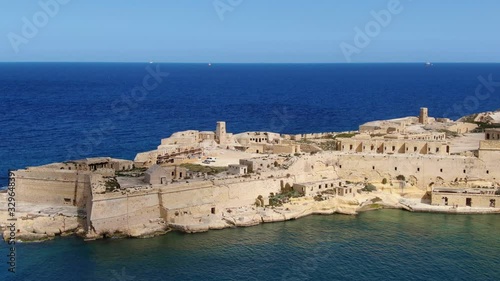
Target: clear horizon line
<point>209,62</point>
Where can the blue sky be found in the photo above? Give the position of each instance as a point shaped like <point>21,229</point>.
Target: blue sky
<point>250,31</point>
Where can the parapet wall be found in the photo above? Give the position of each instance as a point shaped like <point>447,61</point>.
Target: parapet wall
<point>489,145</point>
<point>489,150</point>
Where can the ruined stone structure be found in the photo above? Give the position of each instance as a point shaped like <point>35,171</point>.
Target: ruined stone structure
<point>317,187</point>
<point>492,134</point>
<point>415,125</point>
<point>163,175</point>
<point>385,146</point>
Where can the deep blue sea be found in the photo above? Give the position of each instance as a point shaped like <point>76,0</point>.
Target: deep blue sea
<point>57,111</point>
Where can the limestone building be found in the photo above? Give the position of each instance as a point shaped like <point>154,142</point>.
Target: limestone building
<point>316,187</point>
<point>157,174</point>
<point>465,197</point>
<point>237,169</point>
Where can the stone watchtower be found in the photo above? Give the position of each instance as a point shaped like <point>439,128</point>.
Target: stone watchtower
<point>424,115</point>
<point>220,132</point>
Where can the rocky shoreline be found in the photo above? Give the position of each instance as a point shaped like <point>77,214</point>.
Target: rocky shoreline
<point>42,223</point>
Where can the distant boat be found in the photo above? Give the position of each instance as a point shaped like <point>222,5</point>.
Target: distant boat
<point>151,62</point>
<point>428,64</point>
<point>209,64</point>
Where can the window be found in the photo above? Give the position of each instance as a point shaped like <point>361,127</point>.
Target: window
<point>441,170</point>
<point>418,169</point>
<point>213,210</point>
<point>373,167</point>
<point>464,171</point>
<point>415,149</point>
<point>395,168</point>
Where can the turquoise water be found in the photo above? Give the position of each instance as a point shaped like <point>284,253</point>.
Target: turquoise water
<point>378,245</point>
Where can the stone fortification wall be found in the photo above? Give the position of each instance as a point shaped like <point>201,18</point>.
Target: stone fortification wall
<point>113,212</point>
<point>49,186</point>
<point>489,145</point>
<point>110,212</point>
<point>389,146</point>
<point>423,169</point>
<point>489,150</point>
<point>205,199</point>
<point>298,137</point>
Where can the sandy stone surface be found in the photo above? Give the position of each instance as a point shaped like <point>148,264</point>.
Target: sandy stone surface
<point>225,157</point>
<point>466,142</point>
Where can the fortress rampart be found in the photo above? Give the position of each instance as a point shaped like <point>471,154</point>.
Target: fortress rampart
<point>421,169</point>
<point>49,186</point>
<point>110,212</point>
<point>117,197</point>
